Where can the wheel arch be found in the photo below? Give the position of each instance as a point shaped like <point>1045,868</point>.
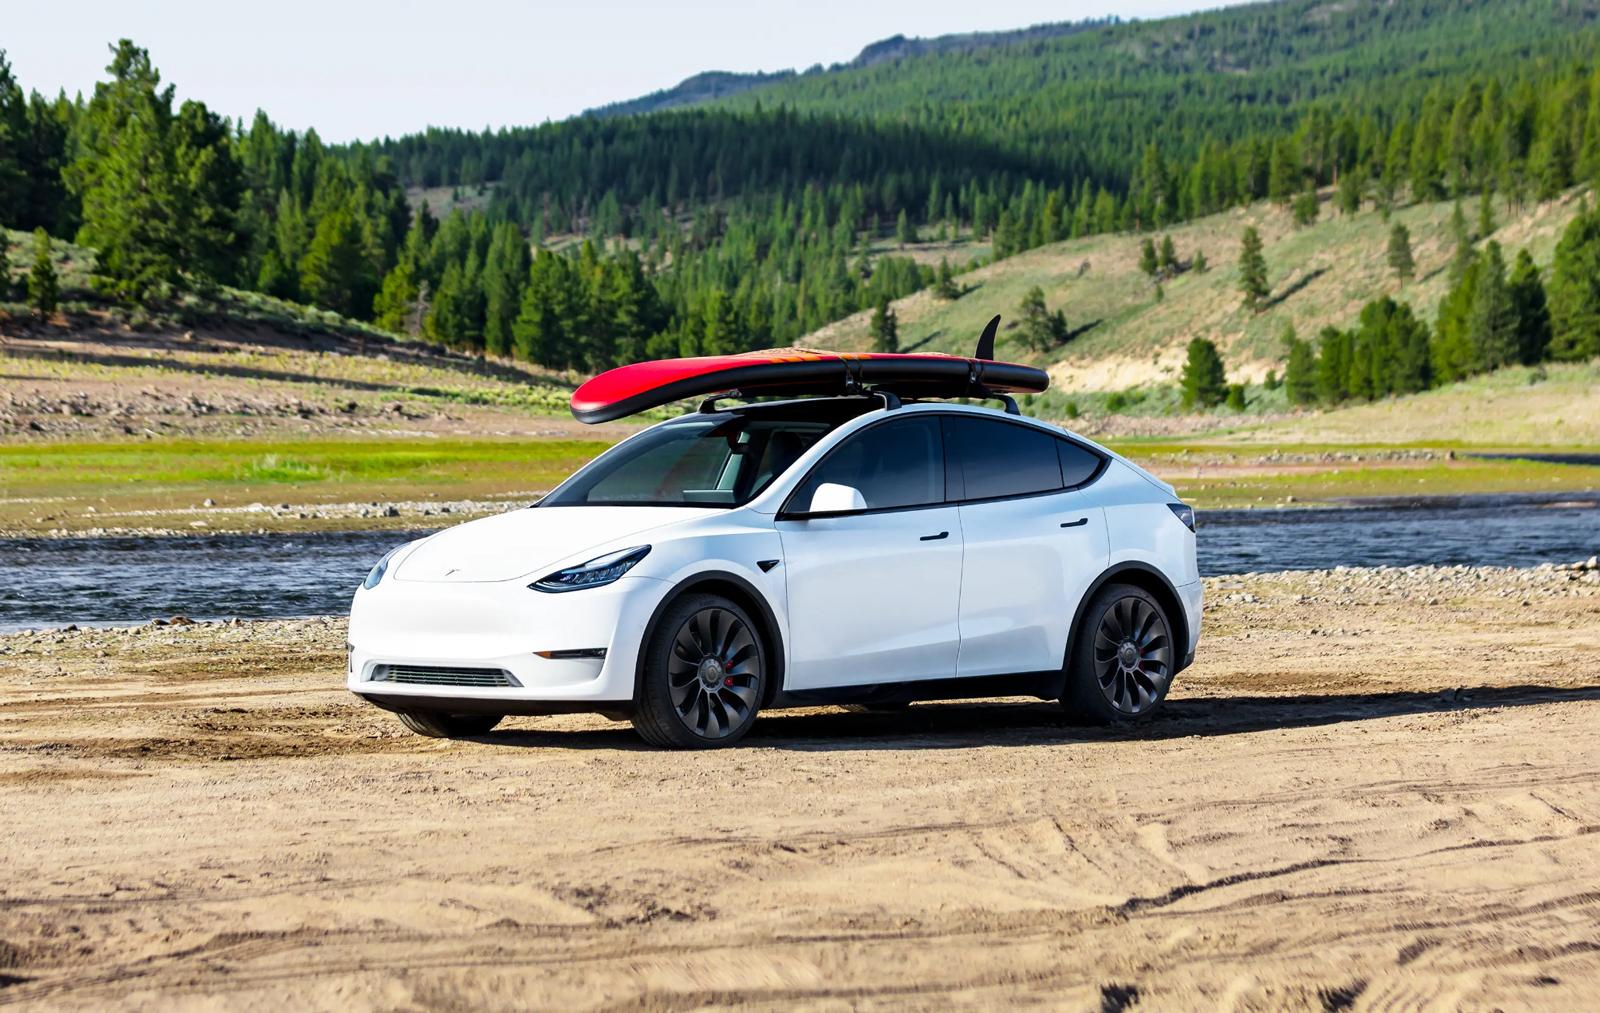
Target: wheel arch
<point>737,590</point>
<point>1148,579</point>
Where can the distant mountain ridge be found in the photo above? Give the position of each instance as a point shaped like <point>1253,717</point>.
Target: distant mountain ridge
<point>707,86</point>
<point>711,85</point>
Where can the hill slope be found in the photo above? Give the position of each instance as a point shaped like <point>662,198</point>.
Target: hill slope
<point>1321,276</point>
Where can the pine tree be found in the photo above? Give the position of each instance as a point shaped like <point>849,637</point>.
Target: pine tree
<point>392,308</point>
<point>1486,213</point>
<point>1400,260</point>
<point>1533,315</point>
<point>904,233</point>
<point>1574,291</point>
<point>335,273</point>
<point>211,188</point>
<point>945,287</point>
<point>1148,262</point>
<point>504,272</point>
<point>1492,322</point>
<point>1284,178</point>
<point>1252,270</point>
<point>1300,369</point>
<point>1236,400</point>
<point>1452,353</point>
<point>1349,193</point>
<point>1198,265</point>
<point>1168,258</point>
<point>5,266</point>
<point>550,315</point>
<point>1464,254</point>
<point>1041,329</point>
<point>42,290</point>
<point>1335,351</point>
<point>159,192</point>
<point>722,334</point>
<point>127,181</point>
<point>1204,381</point>
<point>1306,207</point>
<point>885,328</point>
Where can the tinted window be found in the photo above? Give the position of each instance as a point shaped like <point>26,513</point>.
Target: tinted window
<point>1001,458</point>
<point>895,464</point>
<point>1078,464</point>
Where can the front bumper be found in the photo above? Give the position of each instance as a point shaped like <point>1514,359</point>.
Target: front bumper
<point>500,625</point>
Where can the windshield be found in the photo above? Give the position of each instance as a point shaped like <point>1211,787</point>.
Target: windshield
<point>715,461</point>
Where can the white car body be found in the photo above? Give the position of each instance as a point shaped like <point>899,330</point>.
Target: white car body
<point>854,605</point>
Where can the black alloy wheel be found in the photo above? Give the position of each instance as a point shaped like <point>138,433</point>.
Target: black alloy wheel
<point>1122,657</point>
<point>704,675</point>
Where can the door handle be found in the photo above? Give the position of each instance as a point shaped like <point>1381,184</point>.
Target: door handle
<point>935,538</point>
<point>1080,522</point>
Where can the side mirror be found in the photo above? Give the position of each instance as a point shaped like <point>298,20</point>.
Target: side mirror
<point>832,498</point>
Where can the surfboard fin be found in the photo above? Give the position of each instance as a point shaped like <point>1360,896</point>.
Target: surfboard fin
<point>986,340</point>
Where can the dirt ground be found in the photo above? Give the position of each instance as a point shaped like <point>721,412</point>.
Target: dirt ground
<point>1376,789</point>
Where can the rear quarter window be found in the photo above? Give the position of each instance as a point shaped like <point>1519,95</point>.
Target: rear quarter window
<point>1078,464</point>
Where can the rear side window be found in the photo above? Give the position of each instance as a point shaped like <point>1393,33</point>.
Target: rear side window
<point>895,464</point>
<point>1078,464</point>
<point>1000,458</point>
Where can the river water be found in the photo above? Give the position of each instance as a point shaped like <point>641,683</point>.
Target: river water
<point>117,581</point>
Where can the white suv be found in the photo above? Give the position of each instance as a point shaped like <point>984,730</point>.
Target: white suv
<point>828,550</point>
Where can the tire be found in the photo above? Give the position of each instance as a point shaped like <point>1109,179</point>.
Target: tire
<point>1121,662</point>
<point>705,671</point>
<point>438,725</point>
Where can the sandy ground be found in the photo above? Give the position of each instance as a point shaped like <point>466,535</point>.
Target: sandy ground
<point>1376,789</point>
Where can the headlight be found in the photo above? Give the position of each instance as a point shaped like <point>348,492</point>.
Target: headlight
<point>377,571</point>
<point>594,573</point>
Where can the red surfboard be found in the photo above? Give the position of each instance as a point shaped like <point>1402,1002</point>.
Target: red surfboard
<point>626,390</point>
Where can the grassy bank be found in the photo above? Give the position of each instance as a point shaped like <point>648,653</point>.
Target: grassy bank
<point>165,485</point>
<point>76,486</point>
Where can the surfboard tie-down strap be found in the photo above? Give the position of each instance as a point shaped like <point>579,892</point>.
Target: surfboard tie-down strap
<point>627,390</point>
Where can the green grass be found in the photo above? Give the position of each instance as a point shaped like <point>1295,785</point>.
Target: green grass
<point>81,468</point>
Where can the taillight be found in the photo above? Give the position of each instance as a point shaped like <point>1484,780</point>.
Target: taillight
<point>1184,512</point>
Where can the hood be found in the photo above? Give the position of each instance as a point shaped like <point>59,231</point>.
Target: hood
<point>529,541</point>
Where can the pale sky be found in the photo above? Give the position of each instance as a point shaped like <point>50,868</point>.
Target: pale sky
<point>365,69</point>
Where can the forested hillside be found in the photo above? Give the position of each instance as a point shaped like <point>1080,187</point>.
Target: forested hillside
<point>813,197</point>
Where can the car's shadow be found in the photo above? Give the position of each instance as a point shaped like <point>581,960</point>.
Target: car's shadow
<point>992,723</point>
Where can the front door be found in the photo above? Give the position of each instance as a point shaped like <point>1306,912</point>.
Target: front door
<point>874,592</point>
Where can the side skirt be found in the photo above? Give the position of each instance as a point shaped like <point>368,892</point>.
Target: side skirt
<point>1037,684</point>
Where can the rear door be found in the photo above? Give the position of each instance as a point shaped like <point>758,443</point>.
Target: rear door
<point>1032,541</point>
<point>873,593</point>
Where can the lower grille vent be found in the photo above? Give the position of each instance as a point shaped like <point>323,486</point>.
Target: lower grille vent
<point>436,675</point>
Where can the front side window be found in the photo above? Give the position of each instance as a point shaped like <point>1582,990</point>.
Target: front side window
<point>1001,458</point>
<point>894,465</point>
<point>714,461</point>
